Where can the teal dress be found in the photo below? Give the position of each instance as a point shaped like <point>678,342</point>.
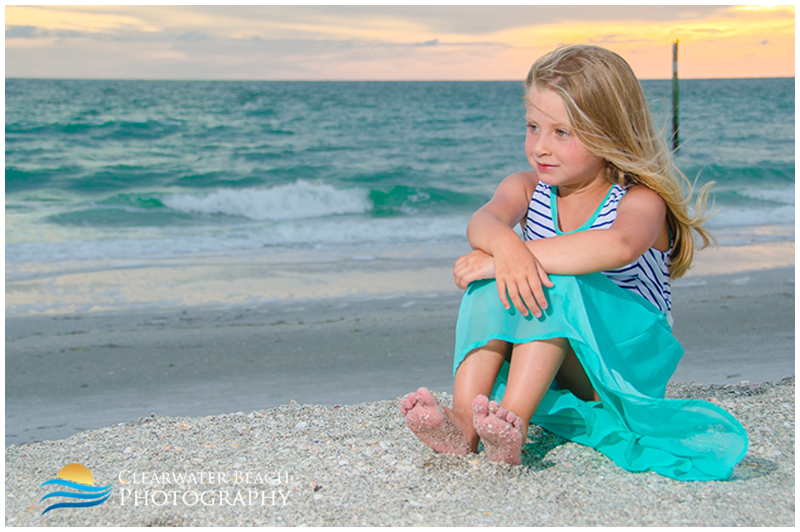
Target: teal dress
<point>625,344</point>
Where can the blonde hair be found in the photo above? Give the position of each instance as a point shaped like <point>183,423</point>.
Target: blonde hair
<point>607,109</point>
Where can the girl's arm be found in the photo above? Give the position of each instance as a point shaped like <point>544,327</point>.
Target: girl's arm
<point>518,274</point>
<point>640,225</point>
<point>491,227</point>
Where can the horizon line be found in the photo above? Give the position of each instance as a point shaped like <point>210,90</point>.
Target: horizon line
<point>363,80</point>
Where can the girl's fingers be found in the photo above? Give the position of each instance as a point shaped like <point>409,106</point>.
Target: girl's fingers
<point>503,293</point>
<point>541,301</point>
<point>545,279</point>
<point>538,291</point>
<point>534,296</point>
<point>519,302</point>
<point>509,294</point>
<point>525,299</point>
<point>532,300</point>
<point>527,294</point>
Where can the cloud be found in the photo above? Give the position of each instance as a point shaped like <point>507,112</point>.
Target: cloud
<point>191,36</point>
<point>399,23</point>
<point>21,32</point>
<point>32,32</point>
<point>98,19</point>
<point>366,42</point>
<point>464,20</point>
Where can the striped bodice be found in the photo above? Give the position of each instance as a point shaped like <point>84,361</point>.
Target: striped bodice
<point>648,276</point>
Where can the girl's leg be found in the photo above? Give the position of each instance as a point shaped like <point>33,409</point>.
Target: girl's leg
<point>573,377</point>
<point>451,431</point>
<point>476,376</point>
<point>503,428</point>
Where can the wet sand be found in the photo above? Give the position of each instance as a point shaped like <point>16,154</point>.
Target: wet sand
<point>67,373</point>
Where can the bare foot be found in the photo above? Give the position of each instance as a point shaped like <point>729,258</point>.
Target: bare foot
<point>428,420</point>
<point>500,431</point>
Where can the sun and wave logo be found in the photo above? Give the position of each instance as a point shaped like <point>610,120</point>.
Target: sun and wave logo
<point>78,477</point>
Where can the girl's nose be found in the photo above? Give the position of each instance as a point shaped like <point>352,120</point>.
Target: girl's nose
<point>540,146</point>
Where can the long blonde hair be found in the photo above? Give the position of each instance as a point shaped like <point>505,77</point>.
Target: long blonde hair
<point>607,109</point>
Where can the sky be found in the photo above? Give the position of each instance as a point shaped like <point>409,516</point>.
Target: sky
<point>387,42</point>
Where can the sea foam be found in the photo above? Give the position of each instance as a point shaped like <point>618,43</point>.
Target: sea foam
<point>776,195</point>
<point>285,202</point>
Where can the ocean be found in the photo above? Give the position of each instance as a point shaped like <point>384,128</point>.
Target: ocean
<point>112,172</point>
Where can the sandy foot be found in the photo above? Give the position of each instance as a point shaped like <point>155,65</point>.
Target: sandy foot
<point>428,421</point>
<point>499,430</point>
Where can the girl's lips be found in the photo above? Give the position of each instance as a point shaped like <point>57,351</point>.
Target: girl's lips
<point>545,167</point>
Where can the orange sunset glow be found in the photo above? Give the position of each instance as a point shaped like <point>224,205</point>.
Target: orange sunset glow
<point>387,42</point>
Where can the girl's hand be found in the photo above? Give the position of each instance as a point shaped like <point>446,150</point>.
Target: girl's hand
<point>520,277</point>
<point>473,266</point>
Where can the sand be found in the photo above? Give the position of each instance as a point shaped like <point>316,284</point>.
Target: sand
<point>297,465</point>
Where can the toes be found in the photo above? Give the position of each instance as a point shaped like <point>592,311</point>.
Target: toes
<point>493,407</point>
<point>407,403</point>
<point>509,417</point>
<point>421,397</point>
<point>479,405</point>
<point>424,396</point>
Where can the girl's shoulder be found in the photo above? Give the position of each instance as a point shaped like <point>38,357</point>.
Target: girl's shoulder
<point>520,183</point>
<point>640,195</point>
<point>529,177</point>
<point>510,200</point>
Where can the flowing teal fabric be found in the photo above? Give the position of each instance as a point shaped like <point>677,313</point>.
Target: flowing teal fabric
<point>627,349</point>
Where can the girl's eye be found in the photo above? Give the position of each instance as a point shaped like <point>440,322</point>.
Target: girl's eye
<point>532,127</point>
<point>562,133</point>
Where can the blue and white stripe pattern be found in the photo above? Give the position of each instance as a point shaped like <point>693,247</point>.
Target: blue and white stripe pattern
<point>648,276</point>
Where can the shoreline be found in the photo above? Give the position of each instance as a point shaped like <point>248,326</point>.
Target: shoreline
<point>69,373</point>
<point>259,277</point>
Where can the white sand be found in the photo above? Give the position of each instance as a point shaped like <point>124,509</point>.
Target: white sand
<point>360,465</point>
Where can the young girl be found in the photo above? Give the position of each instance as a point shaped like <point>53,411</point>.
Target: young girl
<point>571,328</point>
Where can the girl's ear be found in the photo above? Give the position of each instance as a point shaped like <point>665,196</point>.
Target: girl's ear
<point>612,172</point>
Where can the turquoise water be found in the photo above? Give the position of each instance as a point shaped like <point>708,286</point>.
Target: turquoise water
<point>154,169</point>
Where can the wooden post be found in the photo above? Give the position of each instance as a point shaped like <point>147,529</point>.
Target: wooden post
<point>675,96</point>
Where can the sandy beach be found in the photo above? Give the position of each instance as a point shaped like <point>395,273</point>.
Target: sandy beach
<point>314,385</point>
<point>359,465</point>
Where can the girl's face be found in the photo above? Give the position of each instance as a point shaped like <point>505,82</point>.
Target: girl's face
<point>552,148</point>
